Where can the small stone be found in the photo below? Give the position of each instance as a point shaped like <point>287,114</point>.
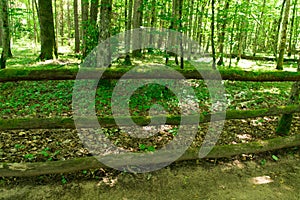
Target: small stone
<point>22,133</point>
<point>13,150</point>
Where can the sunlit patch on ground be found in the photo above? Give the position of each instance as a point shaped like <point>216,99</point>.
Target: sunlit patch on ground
<point>261,180</point>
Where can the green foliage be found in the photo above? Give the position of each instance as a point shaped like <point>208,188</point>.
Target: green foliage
<point>275,158</point>
<point>19,146</point>
<point>64,180</point>
<point>29,156</point>
<point>144,147</point>
<point>263,162</point>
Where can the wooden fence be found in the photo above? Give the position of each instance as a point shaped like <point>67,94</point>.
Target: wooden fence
<point>63,166</point>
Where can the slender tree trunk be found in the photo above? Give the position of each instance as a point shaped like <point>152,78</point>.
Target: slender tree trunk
<point>180,4</point>
<point>28,6</point>
<point>128,17</point>
<point>213,33</point>
<point>222,34</point>
<point>152,22</point>
<point>1,25</point>
<point>292,28</point>
<point>105,29</point>
<point>84,25</point>
<point>5,34</point>
<point>258,28</point>
<point>35,34</point>
<point>93,29</point>
<point>283,36</point>
<point>296,35</point>
<point>190,25</point>
<point>173,26</point>
<point>62,22</point>
<point>278,29</point>
<point>76,25</point>
<point>243,33</point>
<point>56,26</point>
<point>69,21</point>
<point>48,43</point>
<point>137,22</point>
<point>232,36</point>
<point>94,11</point>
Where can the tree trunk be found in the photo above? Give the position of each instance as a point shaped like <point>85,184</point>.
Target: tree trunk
<point>258,28</point>
<point>128,21</point>
<point>292,28</point>
<point>93,30</point>
<point>94,11</point>
<point>276,40</point>
<point>35,34</point>
<point>283,36</point>
<point>152,22</point>
<point>56,26</point>
<point>105,29</point>
<point>137,23</point>
<point>76,26</point>
<point>242,33</point>
<point>84,25</point>
<point>48,44</point>
<point>62,22</point>
<point>222,34</point>
<point>213,33</point>
<point>5,34</point>
<point>180,7</point>
<point>69,21</point>
<point>1,27</point>
<point>285,121</point>
<point>70,74</point>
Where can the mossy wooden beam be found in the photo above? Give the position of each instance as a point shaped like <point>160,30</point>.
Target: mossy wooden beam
<point>116,73</point>
<point>68,123</point>
<point>247,57</point>
<point>77,164</point>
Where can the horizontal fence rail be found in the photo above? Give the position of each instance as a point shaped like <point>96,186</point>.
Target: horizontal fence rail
<point>77,164</point>
<point>68,123</point>
<point>7,75</point>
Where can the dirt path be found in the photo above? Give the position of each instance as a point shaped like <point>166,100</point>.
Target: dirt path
<point>187,180</point>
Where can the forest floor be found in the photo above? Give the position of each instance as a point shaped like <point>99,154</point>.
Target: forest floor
<point>269,175</point>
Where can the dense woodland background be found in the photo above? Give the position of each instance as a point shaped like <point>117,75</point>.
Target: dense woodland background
<point>230,28</point>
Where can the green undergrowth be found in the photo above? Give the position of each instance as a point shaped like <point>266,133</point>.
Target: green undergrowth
<point>54,98</point>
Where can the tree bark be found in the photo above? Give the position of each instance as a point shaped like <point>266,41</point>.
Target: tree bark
<point>276,40</point>
<point>128,23</point>
<point>1,27</point>
<point>69,21</point>
<point>283,36</point>
<point>222,34</point>
<point>105,29</point>
<point>94,12</point>
<point>48,43</point>
<point>108,122</point>
<point>70,74</point>
<point>290,48</point>
<point>5,34</point>
<point>258,28</point>
<point>62,22</point>
<point>76,26</point>
<point>84,26</point>
<point>137,23</point>
<point>213,34</point>
<point>285,121</point>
